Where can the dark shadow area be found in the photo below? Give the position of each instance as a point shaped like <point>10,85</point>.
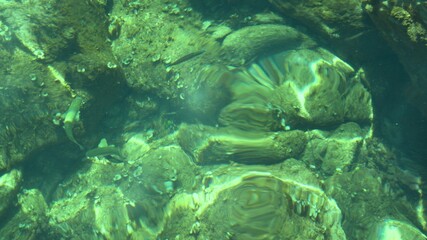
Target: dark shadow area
<point>50,166</point>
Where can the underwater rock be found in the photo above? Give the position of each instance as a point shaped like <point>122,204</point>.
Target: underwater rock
<point>404,26</point>
<point>255,175</point>
<point>136,146</point>
<point>247,204</point>
<point>221,145</point>
<point>24,127</point>
<point>165,169</point>
<point>122,199</point>
<point>330,18</point>
<point>253,113</point>
<point>208,97</point>
<point>154,180</point>
<point>366,192</point>
<point>71,58</point>
<point>245,44</point>
<point>295,88</point>
<point>335,151</point>
<point>5,33</point>
<point>91,214</point>
<point>111,219</point>
<point>25,21</point>
<point>220,31</point>
<point>315,89</point>
<point>167,46</point>
<point>10,183</point>
<point>251,106</point>
<point>31,218</point>
<point>394,229</point>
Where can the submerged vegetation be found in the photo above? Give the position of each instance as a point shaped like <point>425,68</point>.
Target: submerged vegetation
<point>226,119</point>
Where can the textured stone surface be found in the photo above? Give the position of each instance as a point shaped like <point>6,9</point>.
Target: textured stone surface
<point>389,229</point>
<point>48,61</point>
<point>296,88</point>
<point>246,204</point>
<point>210,145</point>
<point>247,43</point>
<point>10,183</point>
<point>335,151</point>
<point>330,18</point>
<point>219,128</point>
<point>31,217</point>
<point>404,26</point>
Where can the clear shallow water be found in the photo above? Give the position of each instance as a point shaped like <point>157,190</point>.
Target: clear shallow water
<point>212,120</point>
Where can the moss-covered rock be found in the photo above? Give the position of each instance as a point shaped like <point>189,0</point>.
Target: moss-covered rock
<point>212,146</point>
<point>31,218</point>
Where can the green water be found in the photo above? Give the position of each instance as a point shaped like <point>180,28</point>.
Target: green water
<point>188,119</point>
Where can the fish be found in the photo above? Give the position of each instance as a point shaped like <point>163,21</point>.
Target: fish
<point>70,117</point>
<point>112,151</point>
<point>186,57</point>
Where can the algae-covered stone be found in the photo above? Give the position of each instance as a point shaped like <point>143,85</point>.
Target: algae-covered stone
<point>247,204</point>
<point>316,85</point>
<point>364,193</point>
<point>164,63</point>
<point>10,183</point>
<point>252,105</point>
<point>394,229</point>
<point>3,158</point>
<point>25,127</point>
<point>72,60</point>
<point>31,218</point>
<point>296,88</point>
<point>334,151</point>
<point>210,145</point>
<point>208,97</point>
<point>253,113</point>
<point>250,42</point>
<point>331,18</point>
<point>122,199</point>
<point>91,214</point>
<point>162,171</point>
<point>111,216</point>
<point>32,25</point>
<point>403,24</point>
